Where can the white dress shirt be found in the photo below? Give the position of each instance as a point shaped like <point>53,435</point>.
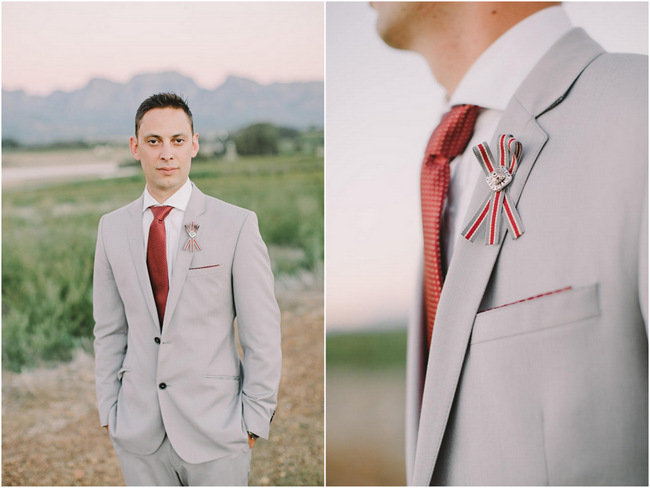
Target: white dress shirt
<point>490,83</point>
<point>173,222</point>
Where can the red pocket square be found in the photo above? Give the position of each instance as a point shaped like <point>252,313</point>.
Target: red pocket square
<point>528,299</point>
<point>204,267</point>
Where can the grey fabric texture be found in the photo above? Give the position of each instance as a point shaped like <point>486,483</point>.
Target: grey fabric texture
<point>164,467</point>
<point>552,390</point>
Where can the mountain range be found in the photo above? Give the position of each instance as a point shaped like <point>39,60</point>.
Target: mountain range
<point>104,110</point>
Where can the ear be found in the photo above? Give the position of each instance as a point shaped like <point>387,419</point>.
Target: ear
<point>195,145</point>
<point>133,145</point>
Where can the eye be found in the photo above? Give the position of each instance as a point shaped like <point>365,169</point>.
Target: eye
<point>179,140</point>
<point>152,141</point>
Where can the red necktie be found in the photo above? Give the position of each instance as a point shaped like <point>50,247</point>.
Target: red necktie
<point>448,140</point>
<point>157,259</point>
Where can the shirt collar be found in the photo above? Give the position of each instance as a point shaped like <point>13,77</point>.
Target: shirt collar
<point>495,76</point>
<point>178,200</point>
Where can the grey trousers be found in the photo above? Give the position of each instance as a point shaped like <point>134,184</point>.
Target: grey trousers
<point>165,468</point>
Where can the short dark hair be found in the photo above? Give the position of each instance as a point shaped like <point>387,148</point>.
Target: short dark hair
<point>162,100</point>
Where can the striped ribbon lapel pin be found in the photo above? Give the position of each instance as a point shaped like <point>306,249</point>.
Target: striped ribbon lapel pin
<point>191,244</point>
<point>498,204</point>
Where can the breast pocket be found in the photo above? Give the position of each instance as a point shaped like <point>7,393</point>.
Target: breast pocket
<point>197,271</point>
<point>563,308</point>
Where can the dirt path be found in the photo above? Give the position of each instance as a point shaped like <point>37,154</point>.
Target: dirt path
<point>365,428</point>
<point>51,433</point>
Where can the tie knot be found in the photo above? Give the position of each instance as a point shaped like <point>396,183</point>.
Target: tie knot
<point>160,212</point>
<point>453,133</point>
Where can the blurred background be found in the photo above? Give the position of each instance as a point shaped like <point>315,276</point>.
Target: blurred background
<point>382,106</point>
<point>73,75</point>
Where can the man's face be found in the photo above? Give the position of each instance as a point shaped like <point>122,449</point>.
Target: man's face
<point>165,147</point>
<point>400,23</point>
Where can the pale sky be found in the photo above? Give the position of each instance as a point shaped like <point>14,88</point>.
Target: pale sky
<point>382,106</point>
<point>62,45</point>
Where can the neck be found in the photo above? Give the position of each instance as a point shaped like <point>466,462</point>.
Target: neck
<point>464,31</point>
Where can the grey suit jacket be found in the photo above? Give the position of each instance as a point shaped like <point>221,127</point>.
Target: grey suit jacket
<point>187,381</point>
<point>552,390</point>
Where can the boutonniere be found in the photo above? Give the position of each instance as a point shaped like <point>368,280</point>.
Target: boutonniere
<point>191,242</point>
<point>498,204</point>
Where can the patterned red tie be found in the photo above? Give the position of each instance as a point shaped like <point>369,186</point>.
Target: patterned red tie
<point>448,140</point>
<point>157,259</point>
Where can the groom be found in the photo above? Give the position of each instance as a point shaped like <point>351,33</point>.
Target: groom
<point>172,271</point>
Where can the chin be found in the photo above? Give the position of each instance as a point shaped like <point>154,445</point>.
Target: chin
<point>167,184</point>
<point>392,39</point>
<point>392,26</point>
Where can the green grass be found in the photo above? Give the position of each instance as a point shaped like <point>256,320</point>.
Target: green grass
<point>367,350</point>
<point>48,243</point>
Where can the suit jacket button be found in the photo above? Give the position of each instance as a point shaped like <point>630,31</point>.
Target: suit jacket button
<point>157,340</point>
<point>162,386</point>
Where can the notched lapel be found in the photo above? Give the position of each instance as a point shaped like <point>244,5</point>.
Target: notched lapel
<point>472,263</point>
<point>195,208</point>
<point>550,81</point>
<point>464,287</point>
<point>136,244</point>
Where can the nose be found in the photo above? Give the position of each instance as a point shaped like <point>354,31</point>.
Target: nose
<point>166,152</point>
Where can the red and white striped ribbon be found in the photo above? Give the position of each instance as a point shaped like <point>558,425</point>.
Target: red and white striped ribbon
<point>501,175</point>
<point>191,242</point>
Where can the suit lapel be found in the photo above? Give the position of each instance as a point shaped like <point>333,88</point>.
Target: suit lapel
<point>195,208</point>
<point>473,262</point>
<point>136,244</point>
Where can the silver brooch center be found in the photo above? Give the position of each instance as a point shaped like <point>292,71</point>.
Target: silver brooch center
<point>192,234</point>
<point>499,178</point>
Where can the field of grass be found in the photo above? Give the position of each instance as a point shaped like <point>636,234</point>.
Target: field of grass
<point>48,242</point>
<point>367,350</point>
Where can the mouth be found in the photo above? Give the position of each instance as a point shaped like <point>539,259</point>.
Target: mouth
<point>167,170</point>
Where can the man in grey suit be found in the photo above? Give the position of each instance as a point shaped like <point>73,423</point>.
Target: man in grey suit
<point>537,370</point>
<point>172,271</point>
